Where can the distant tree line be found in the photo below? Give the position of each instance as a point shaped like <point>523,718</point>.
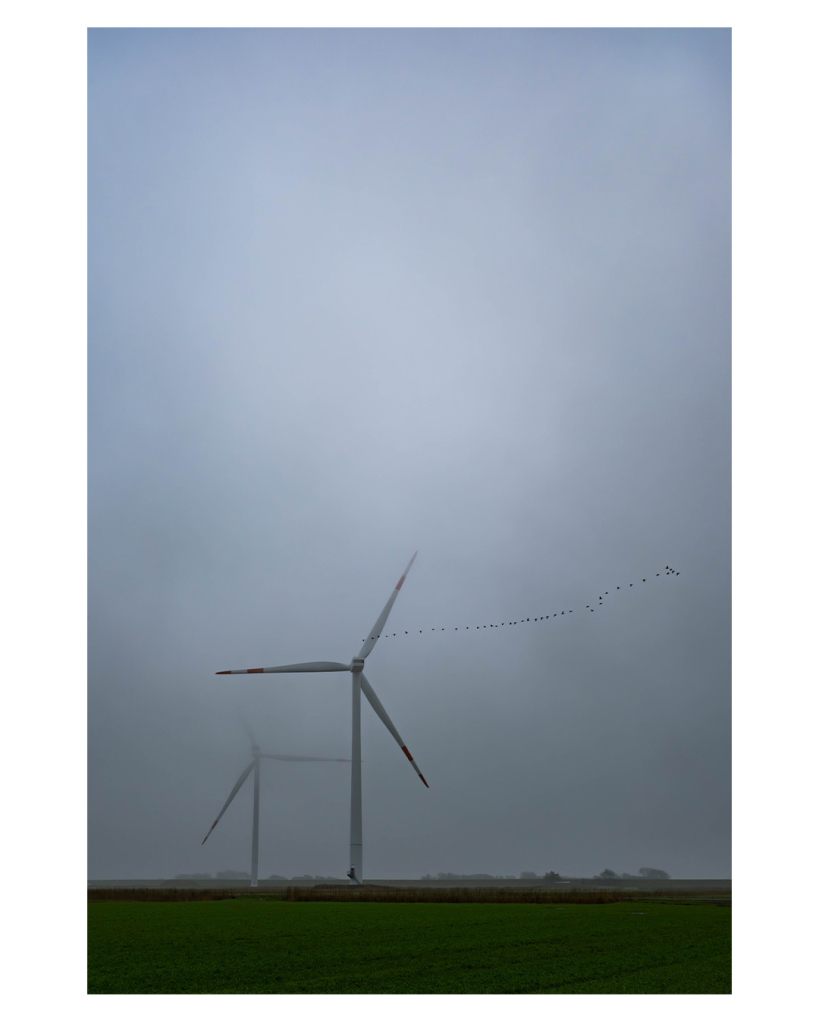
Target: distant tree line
<point>449,875</point>
<point>607,874</point>
<point>312,878</point>
<point>550,876</point>
<point>219,874</point>
<point>270,878</point>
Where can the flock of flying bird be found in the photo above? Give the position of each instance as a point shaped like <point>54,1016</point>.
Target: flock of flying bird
<point>668,572</point>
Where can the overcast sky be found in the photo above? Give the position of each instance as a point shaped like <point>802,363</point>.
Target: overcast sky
<point>357,293</point>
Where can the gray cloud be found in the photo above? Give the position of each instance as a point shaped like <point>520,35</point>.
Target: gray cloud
<point>354,293</point>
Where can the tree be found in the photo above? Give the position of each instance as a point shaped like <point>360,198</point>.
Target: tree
<point>607,874</point>
<point>551,876</point>
<point>653,873</point>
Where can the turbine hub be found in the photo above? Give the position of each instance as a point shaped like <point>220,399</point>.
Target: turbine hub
<point>357,665</point>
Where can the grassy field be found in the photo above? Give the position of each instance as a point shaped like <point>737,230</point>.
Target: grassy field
<point>271,946</point>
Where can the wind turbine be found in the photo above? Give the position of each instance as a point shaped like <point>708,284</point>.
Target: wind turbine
<point>254,767</point>
<point>356,667</point>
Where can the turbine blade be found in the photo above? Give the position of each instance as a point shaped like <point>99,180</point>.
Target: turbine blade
<point>295,757</point>
<point>305,666</point>
<point>233,793</point>
<point>378,708</point>
<point>375,632</point>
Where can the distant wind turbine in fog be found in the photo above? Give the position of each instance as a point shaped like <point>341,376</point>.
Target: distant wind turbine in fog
<point>356,667</point>
<point>254,767</point>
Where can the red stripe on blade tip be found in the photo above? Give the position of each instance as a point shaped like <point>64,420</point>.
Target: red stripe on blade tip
<point>251,670</point>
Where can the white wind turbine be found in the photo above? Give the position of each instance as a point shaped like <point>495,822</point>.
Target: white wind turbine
<point>356,667</point>
<point>255,766</point>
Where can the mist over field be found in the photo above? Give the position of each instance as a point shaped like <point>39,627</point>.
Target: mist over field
<point>354,293</point>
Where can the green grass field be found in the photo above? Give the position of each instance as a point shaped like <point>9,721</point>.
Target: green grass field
<point>272,946</point>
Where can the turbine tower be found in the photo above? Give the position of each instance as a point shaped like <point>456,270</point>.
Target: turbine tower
<point>360,684</point>
<point>254,767</point>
